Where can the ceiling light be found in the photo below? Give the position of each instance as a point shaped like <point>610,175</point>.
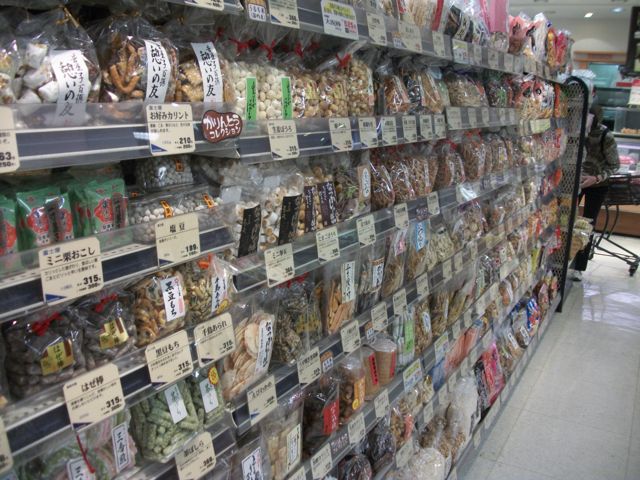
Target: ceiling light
<point>617,10</point>
<point>588,15</point>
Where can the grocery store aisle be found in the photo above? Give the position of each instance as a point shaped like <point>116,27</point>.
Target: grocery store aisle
<point>575,414</point>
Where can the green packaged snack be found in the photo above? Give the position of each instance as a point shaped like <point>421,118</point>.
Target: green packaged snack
<point>44,217</point>
<point>106,205</point>
<point>75,190</point>
<point>8,231</point>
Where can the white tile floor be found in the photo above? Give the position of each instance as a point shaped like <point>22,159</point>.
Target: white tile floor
<point>575,414</point>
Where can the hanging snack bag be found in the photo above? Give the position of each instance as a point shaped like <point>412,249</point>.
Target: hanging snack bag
<point>473,153</point>
<point>340,292</point>
<point>382,193</point>
<point>351,375</point>
<point>44,217</point>
<point>465,90</point>
<point>321,412</point>
<point>333,84</point>
<point>418,165</point>
<point>380,446</point>
<point>291,340</point>
<point>159,173</point>
<point>352,181</point>
<point>8,226</point>
<point>394,266</point>
<point>206,393</point>
<point>360,90</point>
<point>422,325</point>
<point>106,204</point>
<point>418,241</point>
<point>392,96</point>
<point>372,258</point>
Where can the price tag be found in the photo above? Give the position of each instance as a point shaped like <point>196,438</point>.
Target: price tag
<point>438,44</point>
<point>410,129</point>
<point>446,270</point>
<point>379,317</point>
<point>412,375</point>
<point>377,29</point>
<point>326,360</point>
<point>473,117</point>
<point>508,62</point>
<point>301,474</point>
<point>262,399</point>
<point>410,36</point>
<point>279,264</point>
<point>460,51</point>
<point>321,463</point>
<point>454,118</point>
<point>494,59</point>
<point>350,335</point>
<point>366,230</point>
<point>197,459</point>
<point>177,239</point>
<point>440,126</point>
<point>169,359</point>
<point>214,338</point>
<point>381,404</point>
<point>170,127</point>
<point>339,20</point>
<point>356,429</point>
<point>9,158</point>
<point>309,368</point>
<point>485,117</point>
<point>368,132</point>
<point>284,12</point>
<point>283,139</point>
<point>71,269</point>
<point>477,54</point>
<point>400,302</point>
<point>433,203</point>
<point>401,215</point>
<point>257,11</point>
<point>455,330</point>
<point>427,413</point>
<point>458,263</point>
<point>340,130</point>
<point>208,4</point>
<point>426,127</point>
<point>389,131</point>
<point>404,454</point>
<point>422,285</point>
<point>94,396</point>
<point>328,244</point>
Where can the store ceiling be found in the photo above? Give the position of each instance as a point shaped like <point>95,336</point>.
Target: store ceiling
<point>574,9</point>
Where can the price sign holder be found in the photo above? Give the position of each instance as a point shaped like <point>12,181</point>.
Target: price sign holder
<point>283,139</point>
<point>279,264</point>
<point>328,244</point>
<point>340,131</point>
<point>368,132</point>
<point>262,399</point>
<point>170,129</point>
<point>177,239</point>
<point>9,158</point>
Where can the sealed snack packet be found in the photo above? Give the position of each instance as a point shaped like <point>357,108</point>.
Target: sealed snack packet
<point>340,292</point>
<point>352,180</point>
<point>351,375</point>
<point>206,393</point>
<point>372,260</point>
<point>44,217</point>
<point>321,412</point>
<point>395,264</point>
<point>283,432</point>
<point>8,226</point>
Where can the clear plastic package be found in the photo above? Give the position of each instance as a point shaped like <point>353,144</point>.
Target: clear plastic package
<point>340,285</point>
<point>283,432</point>
<point>158,173</point>
<point>206,393</point>
<point>395,264</point>
<point>351,375</point>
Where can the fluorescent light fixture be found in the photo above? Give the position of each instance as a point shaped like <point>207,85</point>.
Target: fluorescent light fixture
<point>588,15</point>
<point>617,10</point>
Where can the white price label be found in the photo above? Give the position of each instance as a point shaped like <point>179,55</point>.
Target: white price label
<point>214,338</point>
<point>508,62</point>
<point>438,44</point>
<point>369,332</point>
<point>279,264</point>
<point>347,283</point>
<point>284,12</point>
<point>177,239</point>
<point>433,203</point>
<point>404,454</point>
<point>494,59</point>
<point>446,270</point>
<point>440,126</point>
<point>262,399</point>
<point>412,375</point>
<point>377,29</point>
<point>400,302</point>
<point>283,139</point>
<point>379,317</point>
<point>454,118</point>
<point>321,463</point>
<point>410,36</point>
<point>170,127</point>
<point>401,215</point>
<point>381,404</point>
<point>426,127</point>
<point>252,465</point>
<point>301,474</point>
<point>350,335</point>
<point>460,51</point>
<point>208,4</point>
<point>339,20</point>
<point>485,117</point>
<point>197,458</point>
<point>340,130</point>
<point>368,132</point>
<point>328,244</point>
<point>309,368</point>
<point>356,429</point>
<point>366,228</point>
<point>169,359</point>
<point>71,269</point>
<point>257,12</point>
<point>477,54</point>
<point>94,396</point>
<point>410,129</point>
<point>458,262</point>
<point>122,454</point>
<point>389,131</point>
<point>9,158</point>
<point>422,285</point>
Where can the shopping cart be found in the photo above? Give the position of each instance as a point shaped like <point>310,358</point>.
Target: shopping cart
<point>623,190</point>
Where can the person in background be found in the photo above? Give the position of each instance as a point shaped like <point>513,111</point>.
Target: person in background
<point>601,161</point>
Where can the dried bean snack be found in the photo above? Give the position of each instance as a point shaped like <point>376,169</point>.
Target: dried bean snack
<point>418,241</point>
<point>372,260</point>
<point>208,288</point>
<point>422,325</point>
<point>158,173</point>
<point>360,85</point>
<point>473,154</point>
<point>43,351</point>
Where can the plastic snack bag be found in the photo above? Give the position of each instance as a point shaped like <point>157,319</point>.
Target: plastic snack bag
<point>321,412</point>
<point>380,446</point>
<point>355,467</point>
<point>340,292</point>
<point>352,180</point>
<point>44,217</point>
<point>292,335</point>
<point>360,91</point>
<point>283,432</point>
<point>8,227</point>
<point>392,94</point>
<point>382,193</point>
<point>464,89</point>
<point>351,375</point>
<point>372,260</point>
<point>395,264</point>
<point>419,170</point>
<point>417,257</point>
<point>422,325</point>
<point>206,393</point>
<point>252,459</point>
<point>159,173</point>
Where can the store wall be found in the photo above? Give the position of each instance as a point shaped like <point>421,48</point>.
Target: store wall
<point>598,35</point>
